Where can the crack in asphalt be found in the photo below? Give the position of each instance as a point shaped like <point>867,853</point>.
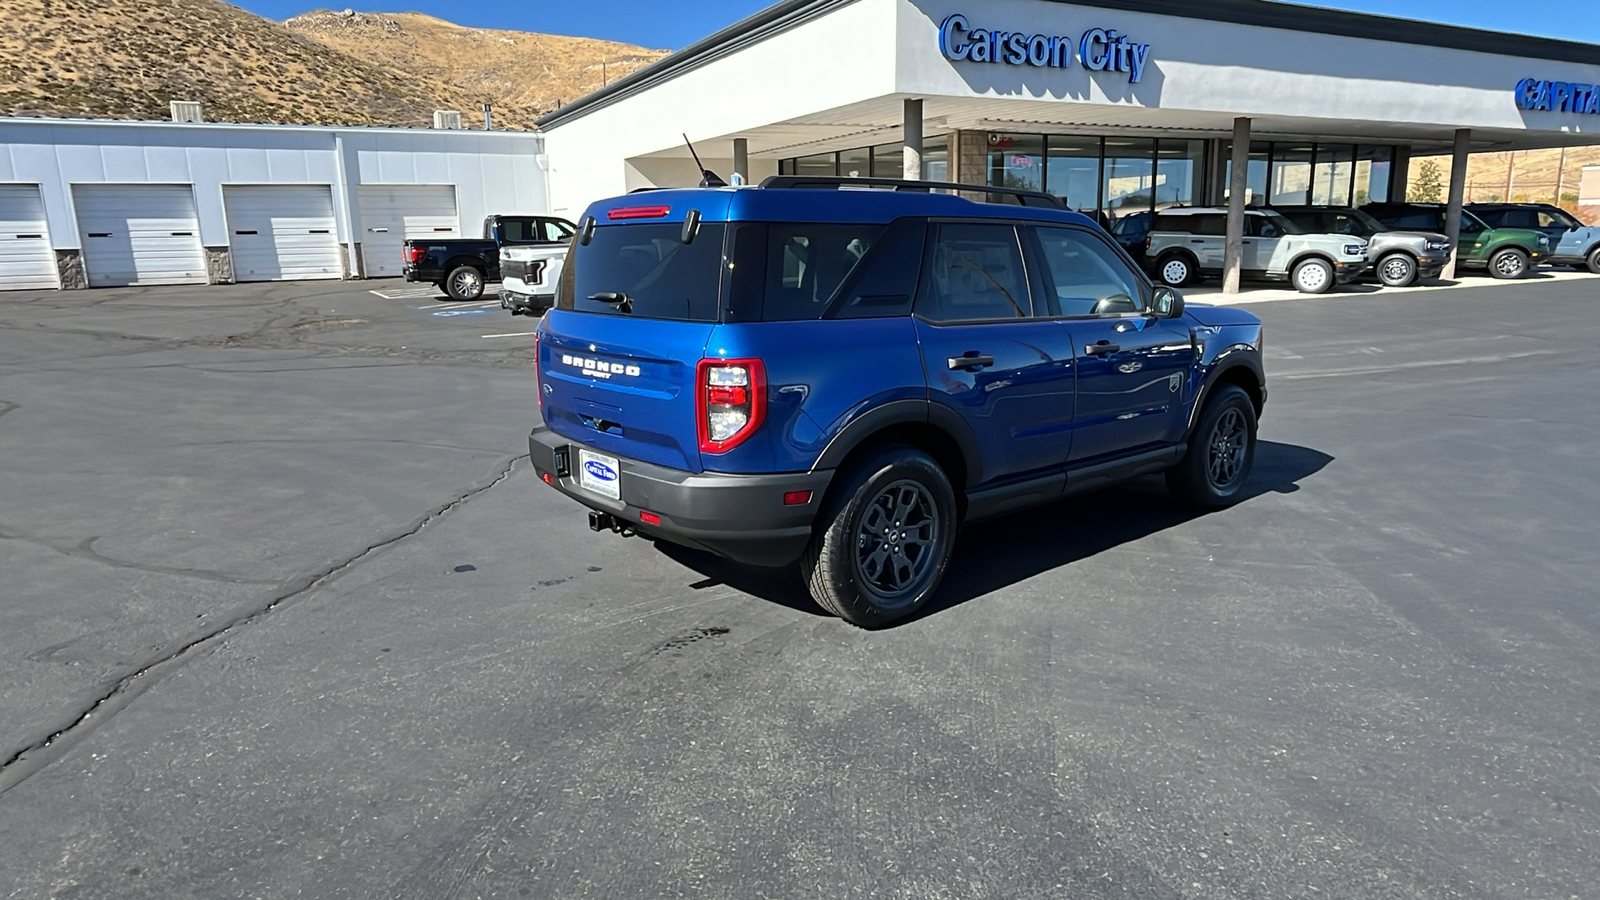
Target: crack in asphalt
<point>32,758</point>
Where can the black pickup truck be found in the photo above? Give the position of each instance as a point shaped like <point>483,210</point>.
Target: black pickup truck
<point>462,266</point>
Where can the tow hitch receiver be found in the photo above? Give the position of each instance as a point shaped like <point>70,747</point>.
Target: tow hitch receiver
<point>599,521</point>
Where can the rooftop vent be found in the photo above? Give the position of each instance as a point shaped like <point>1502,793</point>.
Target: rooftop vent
<point>186,111</point>
<point>447,119</point>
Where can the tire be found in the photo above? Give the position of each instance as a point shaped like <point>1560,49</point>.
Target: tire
<point>1397,270</point>
<point>1175,270</point>
<point>1313,276</point>
<point>1593,262</point>
<point>463,283</point>
<point>869,586</point>
<point>1222,451</point>
<point>1509,263</point>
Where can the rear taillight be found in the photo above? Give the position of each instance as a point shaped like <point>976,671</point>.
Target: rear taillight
<point>414,255</point>
<point>730,401</point>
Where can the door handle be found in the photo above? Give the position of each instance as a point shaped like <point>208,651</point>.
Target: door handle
<point>1102,348</point>
<point>972,359</point>
<point>1197,240</point>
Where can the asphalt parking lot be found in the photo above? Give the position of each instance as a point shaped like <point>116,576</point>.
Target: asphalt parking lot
<point>286,614</point>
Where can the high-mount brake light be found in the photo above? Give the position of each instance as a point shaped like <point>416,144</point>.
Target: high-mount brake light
<point>730,401</point>
<point>639,212</point>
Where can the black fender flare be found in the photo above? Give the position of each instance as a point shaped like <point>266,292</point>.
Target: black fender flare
<point>904,412</point>
<point>1312,254</point>
<point>1235,357</point>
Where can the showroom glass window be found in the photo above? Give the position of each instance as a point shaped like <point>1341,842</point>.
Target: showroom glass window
<point>1072,170</point>
<point>1180,173</point>
<point>1373,169</point>
<point>889,161</point>
<point>1291,174</point>
<point>936,159</point>
<point>1016,161</point>
<point>1332,174</point>
<point>1255,173</point>
<point>856,163</point>
<point>1130,174</point>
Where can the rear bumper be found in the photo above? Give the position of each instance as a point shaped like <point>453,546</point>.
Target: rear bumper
<point>741,517</point>
<point>526,304</point>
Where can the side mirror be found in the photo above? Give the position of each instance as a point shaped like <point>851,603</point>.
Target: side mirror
<point>1167,304</point>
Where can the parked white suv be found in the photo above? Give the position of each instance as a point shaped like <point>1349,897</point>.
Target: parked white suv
<point>1188,243</point>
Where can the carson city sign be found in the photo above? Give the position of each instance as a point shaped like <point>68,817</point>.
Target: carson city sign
<point>1099,49</point>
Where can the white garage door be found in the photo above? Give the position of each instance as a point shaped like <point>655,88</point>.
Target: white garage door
<point>26,261</point>
<point>282,233</point>
<point>139,234</point>
<point>392,214</point>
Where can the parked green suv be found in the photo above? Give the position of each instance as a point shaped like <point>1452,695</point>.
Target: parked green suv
<point>1504,252</point>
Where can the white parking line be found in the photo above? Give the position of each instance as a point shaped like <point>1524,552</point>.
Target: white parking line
<point>512,334</point>
<point>407,293</point>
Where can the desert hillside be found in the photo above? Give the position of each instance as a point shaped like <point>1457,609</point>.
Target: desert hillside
<point>126,59</point>
<point>1533,175</point>
<point>521,70</point>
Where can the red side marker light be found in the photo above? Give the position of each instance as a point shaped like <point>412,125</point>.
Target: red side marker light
<point>639,212</point>
<point>547,478</point>
<point>797,498</point>
<point>649,518</point>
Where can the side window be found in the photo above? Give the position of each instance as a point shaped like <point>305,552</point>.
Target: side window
<point>887,278</point>
<point>1087,278</point>
<point>787,271</point>
<point>1262,226</point>
<point>517,231</point>
<point>1547,220</point>
<point>1210,225</point>
<point>975,272</point>
<point>556,230</point>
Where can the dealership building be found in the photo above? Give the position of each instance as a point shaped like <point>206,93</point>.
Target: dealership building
<point>1118,107</point>
<point>102,203</point>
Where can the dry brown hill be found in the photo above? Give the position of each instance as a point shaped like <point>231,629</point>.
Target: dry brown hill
<point>519,70</point>
<point>1534,175</point>
<point>126,59</point>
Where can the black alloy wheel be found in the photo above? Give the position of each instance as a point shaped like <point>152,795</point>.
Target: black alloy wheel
<point>1509,263</point>
<point>1221,452</point>
<point>883,538</point>
<point>1397,270</point>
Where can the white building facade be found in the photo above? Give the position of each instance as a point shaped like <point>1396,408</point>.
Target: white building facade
<point>1117,106</point>
<point>104,203</point>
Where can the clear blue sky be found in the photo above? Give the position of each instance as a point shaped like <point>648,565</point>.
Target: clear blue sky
<point>673,24</point>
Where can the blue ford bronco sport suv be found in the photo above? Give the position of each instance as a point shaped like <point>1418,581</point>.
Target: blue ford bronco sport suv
<point>843,378</point>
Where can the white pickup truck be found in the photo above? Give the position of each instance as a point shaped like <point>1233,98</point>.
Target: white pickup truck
<point>528,277</point>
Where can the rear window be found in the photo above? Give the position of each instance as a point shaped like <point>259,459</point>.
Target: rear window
<point>520,231</point>
<point>647,272</point>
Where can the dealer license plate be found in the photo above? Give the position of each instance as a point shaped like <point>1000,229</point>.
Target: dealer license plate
<point>600,473</point>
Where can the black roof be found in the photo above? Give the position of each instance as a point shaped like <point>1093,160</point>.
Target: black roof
<point>787,14</point>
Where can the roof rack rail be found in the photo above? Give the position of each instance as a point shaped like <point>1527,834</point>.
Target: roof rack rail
<point>825,182</point>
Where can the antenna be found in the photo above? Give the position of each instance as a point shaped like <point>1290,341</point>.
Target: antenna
<point>708,178</point>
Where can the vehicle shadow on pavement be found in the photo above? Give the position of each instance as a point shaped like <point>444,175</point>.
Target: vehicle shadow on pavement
<point>1000,552</point>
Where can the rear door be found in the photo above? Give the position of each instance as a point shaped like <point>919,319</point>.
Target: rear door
<point>618,354</point>
<point>1007,374</point>
<point>1132,369</point>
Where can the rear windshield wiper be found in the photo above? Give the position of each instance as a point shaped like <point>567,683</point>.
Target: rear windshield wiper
<point>622,301</point>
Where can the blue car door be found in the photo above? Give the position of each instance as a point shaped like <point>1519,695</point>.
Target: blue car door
<point>1133,370</point>
<point>1007,374</point>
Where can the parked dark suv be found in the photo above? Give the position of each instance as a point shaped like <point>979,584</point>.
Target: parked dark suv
<point>844,378</point>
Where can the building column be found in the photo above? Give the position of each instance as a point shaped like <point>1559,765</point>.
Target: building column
<point>911,137</point>
<point>1458,190</point>
<point>969,161</point>
<point>1233,253</point>
<point>741,159</point>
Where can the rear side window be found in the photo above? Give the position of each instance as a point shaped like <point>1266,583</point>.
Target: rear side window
<point>520,231</point>
<point>556,230</point>
<point>975,272</point>
<point>786,271</point>
<point>1421,220</point>
<point>1089,278</point>
<point>646,271</point>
